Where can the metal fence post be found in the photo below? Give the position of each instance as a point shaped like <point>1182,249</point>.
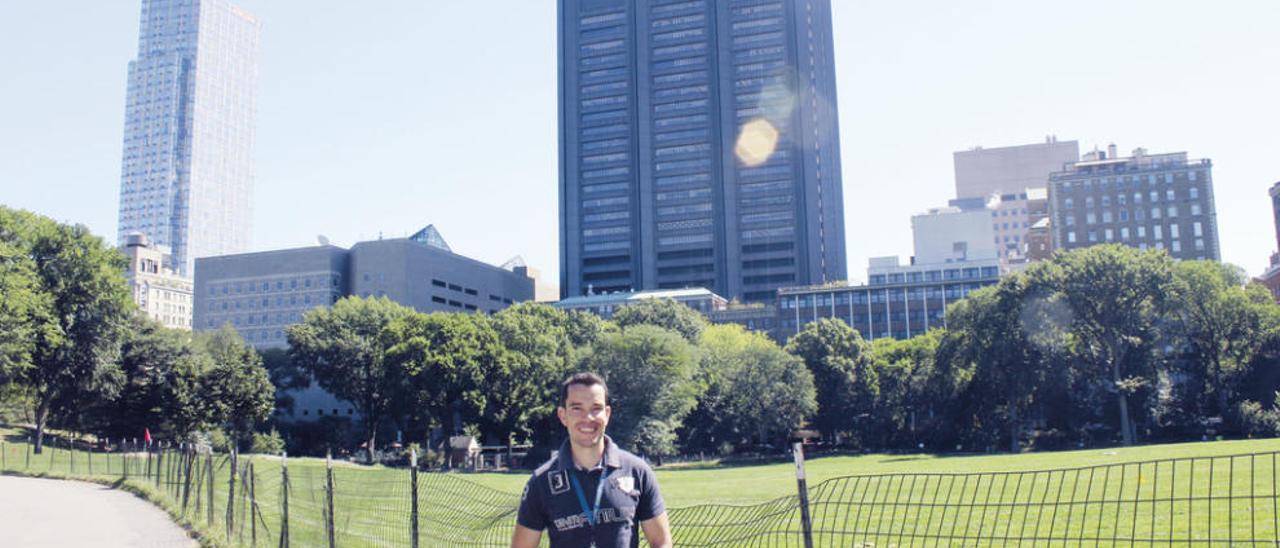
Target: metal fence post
<point>329,524</point>
<point>159,464</point>
<point>797,450</point>
<point>71,459</point>
<point>413,489</point>
<point>124,458</point>
<point>30,448</point>
<point>231,495</point>
<point>284,499</point>
<point>4,454</point>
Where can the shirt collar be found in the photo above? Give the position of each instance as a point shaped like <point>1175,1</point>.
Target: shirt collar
<point>611,457</point>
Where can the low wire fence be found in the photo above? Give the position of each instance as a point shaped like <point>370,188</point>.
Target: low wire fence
<point>266,500</point>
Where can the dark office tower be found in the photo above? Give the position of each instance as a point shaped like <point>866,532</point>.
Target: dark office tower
<point>698,146</point>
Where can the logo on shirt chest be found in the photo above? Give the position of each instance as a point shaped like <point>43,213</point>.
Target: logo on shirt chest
<point>559,482</point>
<point>626,484</point>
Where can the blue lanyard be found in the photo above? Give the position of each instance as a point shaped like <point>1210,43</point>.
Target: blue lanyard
<point>582,499</point>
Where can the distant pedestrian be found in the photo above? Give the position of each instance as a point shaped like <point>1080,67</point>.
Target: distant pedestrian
<point>592,494</point>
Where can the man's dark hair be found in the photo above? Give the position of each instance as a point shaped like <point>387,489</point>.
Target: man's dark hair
<point>585,379</point>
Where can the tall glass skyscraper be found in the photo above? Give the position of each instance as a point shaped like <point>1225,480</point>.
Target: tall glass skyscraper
<point>187,172</point>
<point>698,146</point>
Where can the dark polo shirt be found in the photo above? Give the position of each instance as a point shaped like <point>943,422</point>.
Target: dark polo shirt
<point>630,496</point>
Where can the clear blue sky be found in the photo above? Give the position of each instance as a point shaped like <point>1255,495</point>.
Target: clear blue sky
<point>382,117</point>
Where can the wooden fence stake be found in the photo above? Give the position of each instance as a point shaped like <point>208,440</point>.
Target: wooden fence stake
<point>231,496</point>
<point>284,497</point>
<point>413,489</point>
<point>330,525</point>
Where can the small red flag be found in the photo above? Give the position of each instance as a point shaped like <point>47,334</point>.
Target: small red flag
<point>146,435</point>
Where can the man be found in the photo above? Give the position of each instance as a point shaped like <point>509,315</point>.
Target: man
<point>592,494</point>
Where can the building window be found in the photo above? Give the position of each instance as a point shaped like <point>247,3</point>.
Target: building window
<point>1196,229</point>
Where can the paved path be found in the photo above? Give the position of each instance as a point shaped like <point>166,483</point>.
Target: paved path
<point>56,513</point>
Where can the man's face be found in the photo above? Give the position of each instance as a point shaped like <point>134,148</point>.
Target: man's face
<point>585,415</point>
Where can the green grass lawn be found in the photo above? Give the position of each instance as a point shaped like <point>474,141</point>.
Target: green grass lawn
<point>1183,492</point>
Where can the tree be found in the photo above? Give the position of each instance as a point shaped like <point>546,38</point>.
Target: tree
<point>847,385</point>
<point>914,396</point>
<point>78,303</point>
<point>540,354</point>
<point>450,361</point>
<point>650,372</point>
<point>665,313</point>
<point>343,349</point>
<point>1223,328</point>
<point>235,389</point>
<point>1004,336</point>
<point>1117,298</point>
<point>755,392</point>
<point>23,309</point>
<point>162,371</point>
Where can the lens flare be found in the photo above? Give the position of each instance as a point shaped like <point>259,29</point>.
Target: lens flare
<point>756,142</point>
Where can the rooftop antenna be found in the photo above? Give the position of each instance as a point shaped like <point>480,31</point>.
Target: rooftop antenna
<point>324,240</point>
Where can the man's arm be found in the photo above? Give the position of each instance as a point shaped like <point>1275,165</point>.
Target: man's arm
<point>525,537</point>
<point>657,531</point>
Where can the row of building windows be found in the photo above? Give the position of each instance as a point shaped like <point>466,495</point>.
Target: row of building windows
<point>1124,216</point>
<point>966,273</point>
<point>1157,232</point>
<point>314,297</point>
<point>290,284</point>
<point>1193,193</point>
<point>872,297</point>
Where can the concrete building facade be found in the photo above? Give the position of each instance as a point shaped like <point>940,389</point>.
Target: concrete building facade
<point>159,292</point>
<point>954,255</point>
<point>262,294</point>
<point>188,167</point>
<point>1162,201</point>
<point>1009,180</point>
<point>899,304</point>
<point>948,235</point>
<point>698,146</point>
